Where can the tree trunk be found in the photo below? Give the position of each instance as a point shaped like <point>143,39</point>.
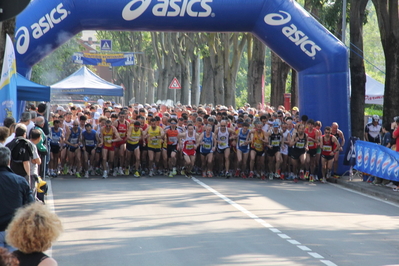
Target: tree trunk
<point>388,21</point>
<point>195,82</point>
<point>278,80</point>
<point>207,92</point>
<point>256,70</point>
<point>294,88</point>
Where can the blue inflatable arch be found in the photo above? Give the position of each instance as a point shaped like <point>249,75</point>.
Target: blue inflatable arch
<point>283,25</point>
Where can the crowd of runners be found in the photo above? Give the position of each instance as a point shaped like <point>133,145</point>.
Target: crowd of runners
<point>146,140</point>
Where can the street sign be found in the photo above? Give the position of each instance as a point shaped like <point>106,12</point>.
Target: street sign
<point>106,45</point>
<point>175,84</point>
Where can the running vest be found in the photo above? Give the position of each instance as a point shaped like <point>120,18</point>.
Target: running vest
<point>301,143</point>
<point>56,137</point>
<point>136,136</point>
<point>257,142</point>
<point>275,140</point>
<point>328,146</point>
<point>107,136</point>
<point>172,136</point>
<point>189,142</point>
<point>90,138</point>
<point>152,141</point>
<point>241,139</point>
<point>208,143</point>
<point>223,137</point>
<point>74,136</point>
<point>311,144</point>
<point>122,129</point>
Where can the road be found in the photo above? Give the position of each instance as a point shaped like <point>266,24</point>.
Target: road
<point>201,221</point>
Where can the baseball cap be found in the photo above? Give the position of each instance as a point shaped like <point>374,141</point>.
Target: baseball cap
<point>295,108</point>
<point>96,115</point>
<point>60,108</point>
<point>153,110</point>
<point>275,124</point>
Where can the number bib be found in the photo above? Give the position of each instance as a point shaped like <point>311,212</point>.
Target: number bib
<point>74,140</point>
<point>327,148</point>
<point>300,145</point>
<point>275,143</point>
<point>89,142</point>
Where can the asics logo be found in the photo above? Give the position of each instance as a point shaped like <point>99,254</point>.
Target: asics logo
<point>168,8</point>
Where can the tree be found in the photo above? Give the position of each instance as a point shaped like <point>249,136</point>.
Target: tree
<point>388,22</point>
<point>358,75</point>
<point>256,69</point>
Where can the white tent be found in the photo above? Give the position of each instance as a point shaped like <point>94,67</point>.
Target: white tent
<point>374,91</point>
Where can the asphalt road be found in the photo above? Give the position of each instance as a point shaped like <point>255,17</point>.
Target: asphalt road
<point>178,221</point>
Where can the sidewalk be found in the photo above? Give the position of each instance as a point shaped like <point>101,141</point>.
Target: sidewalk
<point>379,191</point>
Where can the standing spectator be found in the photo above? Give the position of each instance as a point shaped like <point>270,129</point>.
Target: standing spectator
<point>41,109</point>
<point>7,259</point>
<point>3,135</point>
<point>14,193</point>
<point>26,119</point>
<point>395,134</point>
<point>42,144</point>
<point>21,152</point>
<point>33,230</point>
<point>373,130</point>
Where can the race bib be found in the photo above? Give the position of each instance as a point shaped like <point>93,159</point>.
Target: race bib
<point>173,139</point>
<point>154,142</point>
<point>207,146</point>
<point>275,143</point>
<point>242,142</point>
<point>90,142</point>
<point>327,148</point>
<point>106,138</point>
<point>300,145</point>
<point>189,146</point>
<point>258,146</point>
<point>74,140</point>
<point>311,143</point>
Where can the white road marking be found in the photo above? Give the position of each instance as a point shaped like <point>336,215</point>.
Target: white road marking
<point>262,222</point>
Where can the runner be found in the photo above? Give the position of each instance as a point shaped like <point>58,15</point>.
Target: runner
<point>207,149</point>
<point>258,141</point>
<point>189,147</point>
<point>109,135</point>
<point>336,132</point>
<point>222,137</point>
<point>154,135</point>
<point>298,155</point>
<point>242,150</point>
<point>134,137</point>
<point>73,142</point>
<point>284,150</point>
<point>56,142</point>
<point>273,151</point>
<point>313,142</point>
<point>122,125</point>
<point>329,146</point>
<point>90,141</point>
<point>171,134</point>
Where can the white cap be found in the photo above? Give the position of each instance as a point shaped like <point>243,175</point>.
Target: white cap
<point>153,110</point>
<point>140,106</point>
<point>117,106</point>
<point>60,108</point>
<point>100,111</point>
<point>96,115</point>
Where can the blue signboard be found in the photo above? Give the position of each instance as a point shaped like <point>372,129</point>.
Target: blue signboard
<point>106,45</point>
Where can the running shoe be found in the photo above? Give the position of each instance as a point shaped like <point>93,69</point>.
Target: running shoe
<point>276,175</point>
<point>228,175</point>
<point>295,179</point>
<point>78,175</point>
<point>210,174</point>
<point>251,175</point>
<point>87,174</point>
<point>282,176</point>
<point>98,171</point>
<point>115,173</point>
<point>170,174</point>
<point>151,173</point>
<point>203,174</point>
<point>137,174</point>
<point>121,172</point>
<point>243,175</point>
<point>105,174</point>
<point>188,175</point>
<point>127,171</point>
<point>323,180</point>
<point>183,172</point>
<point>307,175</point>
<point>270,176</point>
<point>174,171</point>
<point>301,174</point>
<point>311,178</point>
<point>237,173</point>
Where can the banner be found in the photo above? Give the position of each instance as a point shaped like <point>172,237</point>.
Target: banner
<point>119,59</point>
<point>8,83</point>
<point>377,160</point>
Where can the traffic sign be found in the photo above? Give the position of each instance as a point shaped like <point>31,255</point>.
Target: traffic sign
<point>175,84</point>
<point>106,45</point>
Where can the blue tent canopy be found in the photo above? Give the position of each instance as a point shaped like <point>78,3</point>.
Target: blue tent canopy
<point>30,91</point>
<point>85,82</point>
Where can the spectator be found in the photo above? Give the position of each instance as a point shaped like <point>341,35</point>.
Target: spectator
<point>14,193</point>
<point>41,109</point>
<point>41,145</point>
<point>11,133</point>
<point>3,135</point>
<point>7,259</point>
<point>8,121</point>
<point>33,230</point>
<point>26,119</point>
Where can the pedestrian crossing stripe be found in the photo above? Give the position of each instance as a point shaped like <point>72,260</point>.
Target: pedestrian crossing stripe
<point>175,84</point>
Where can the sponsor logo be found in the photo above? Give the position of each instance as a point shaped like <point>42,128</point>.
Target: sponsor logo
<point>39,28</point>
<point>379,160</point>
<point>385,164</point>
<point>373,159</point>
<point>168,8</point>
<point>396,172</point>
<point>366,157</point>
<point>359,157</point>
<point>298,37</point>
<point>391,167</point>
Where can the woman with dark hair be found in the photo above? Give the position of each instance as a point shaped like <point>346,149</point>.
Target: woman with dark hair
<point>32,231</point>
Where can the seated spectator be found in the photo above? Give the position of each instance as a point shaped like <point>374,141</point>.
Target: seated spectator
<point>32,231</point>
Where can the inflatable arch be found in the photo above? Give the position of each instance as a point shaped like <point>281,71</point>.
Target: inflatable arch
<point>283,25</point>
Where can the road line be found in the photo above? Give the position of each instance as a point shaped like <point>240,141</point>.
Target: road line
<point>262,222</point>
